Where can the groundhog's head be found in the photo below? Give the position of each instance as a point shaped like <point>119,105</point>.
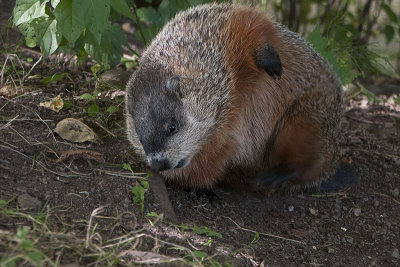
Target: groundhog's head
<point>168,117</point>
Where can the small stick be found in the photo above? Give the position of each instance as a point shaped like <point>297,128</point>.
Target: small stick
<point>266,234</point>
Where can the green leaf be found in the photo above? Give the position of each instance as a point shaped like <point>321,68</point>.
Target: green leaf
<point>47,35</point>
<point>389,33</point>
<point>112,109</point>
<point>28,10</point>
<point>389,12</point>
<point>93,109</point>
<point>53,78</point>
<point>110,50</point>
<point>256,237</point>
<point>149,33</point>
<point>145,184</point>
<point>101,11</point>
<point>73,16</point>
<point>149,14</point>
<point>200,255</point>
<point>121,7</point>
<point>95,68</point>
<point>87,96</point>
<point>67,104</point>
<point>340,65</point>
<point>127,167</point>
<point>206,231</point>
<point>168,8</point>
<point>138,196</point>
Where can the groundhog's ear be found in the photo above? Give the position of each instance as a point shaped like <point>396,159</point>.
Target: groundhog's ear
<point>174,85</point>
<point>268,59</point>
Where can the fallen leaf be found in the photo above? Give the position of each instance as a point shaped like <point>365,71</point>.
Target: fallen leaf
<point>87,154</point>
<point>76,131</point>
<point>9,90</point>
<point>55,104</point>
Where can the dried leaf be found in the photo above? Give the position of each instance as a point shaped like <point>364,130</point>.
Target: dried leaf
<point>9,90</point>
<point>76,131</point>
<point>55,104</point>
<point>87,154</point>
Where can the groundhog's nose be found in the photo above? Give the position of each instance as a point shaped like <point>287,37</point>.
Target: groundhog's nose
<point>160,164</point>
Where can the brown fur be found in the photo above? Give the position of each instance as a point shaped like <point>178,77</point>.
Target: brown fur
<point>292,120</point>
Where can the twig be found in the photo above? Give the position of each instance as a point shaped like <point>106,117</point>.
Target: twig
<point>94,213</point>
<point>138,175</point>
<point>29,72</point>
<point>102,127</point>
<point>265,234</point>
<point>8,123</point>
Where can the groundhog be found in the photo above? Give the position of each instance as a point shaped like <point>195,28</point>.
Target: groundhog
<point>224,94</point>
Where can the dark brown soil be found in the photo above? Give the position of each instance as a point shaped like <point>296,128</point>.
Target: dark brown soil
<point>357,226</point>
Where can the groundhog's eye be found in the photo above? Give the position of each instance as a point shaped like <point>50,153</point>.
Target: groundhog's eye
<point>172,128</point>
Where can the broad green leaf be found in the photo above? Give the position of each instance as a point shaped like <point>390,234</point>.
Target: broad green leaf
<point>110,50</point>
<point>28,10</point>
<point>73,17</point>
<point>101,11</point>
<point>46,35</point>
<point>121,7</point>
<point>149,14</point>
<point>389,33</point>
<point>93,109</point>
<point>87,96</point>
<point>112,109</point>
<point>67,104</point>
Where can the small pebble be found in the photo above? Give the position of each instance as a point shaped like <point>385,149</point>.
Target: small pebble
<point>357,212</point>
<point>313,211</point>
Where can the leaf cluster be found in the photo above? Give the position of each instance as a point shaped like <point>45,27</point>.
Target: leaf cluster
<point>82,26</point>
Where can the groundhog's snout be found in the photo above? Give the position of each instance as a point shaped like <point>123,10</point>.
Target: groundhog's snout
<point>161,163</point>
